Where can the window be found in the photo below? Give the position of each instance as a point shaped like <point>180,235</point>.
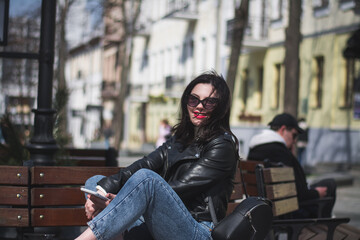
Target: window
<point>349,82</point>
<point>191,48</point>
<point>276,13</point>
<point>320,7</point>
<point>187,51</point>
<point>320,4</point>
<point>260,85</point>
<point>317,82</point>
<point>229,31</point>
<point>244,86</point>
<point>347,4</point>
<point>275,100</point>
<point>320,78</point>
<point>79,74</point>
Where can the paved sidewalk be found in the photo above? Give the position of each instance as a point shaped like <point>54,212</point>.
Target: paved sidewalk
<point>348,191</point>
<point>348,200</point>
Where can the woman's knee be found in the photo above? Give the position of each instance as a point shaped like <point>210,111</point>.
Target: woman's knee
<point>91,183</point>
<point>145,173</point>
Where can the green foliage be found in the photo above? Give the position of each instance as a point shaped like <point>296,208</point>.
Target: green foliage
<point>12,150</point>
<point>61,135</point>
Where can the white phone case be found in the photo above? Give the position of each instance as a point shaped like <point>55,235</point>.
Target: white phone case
<point>96,194</point>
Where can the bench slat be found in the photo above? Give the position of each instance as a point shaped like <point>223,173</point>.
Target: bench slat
<point>237,177</point>
<point>249,165</point>
<point>249,178</point>
<point>48,217</point>
<point>14,217</point>
<point>252,190</point>
<point>57,196</point>
<point>278,174</point>
<point>237,192</point>
<point>12,195</point>
<point>280,190</point>
<point>14,175</point>
<point>68,175</point>
<point>284,206</point>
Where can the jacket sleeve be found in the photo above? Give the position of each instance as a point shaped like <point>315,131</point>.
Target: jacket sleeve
<point>153,161</point>
<point>217,163</point>
<point>304,193</point>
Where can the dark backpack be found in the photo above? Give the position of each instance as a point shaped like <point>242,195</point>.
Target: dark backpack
<point>251,219</point>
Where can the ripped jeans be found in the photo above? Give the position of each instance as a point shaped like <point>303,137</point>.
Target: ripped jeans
<point>147,196</point>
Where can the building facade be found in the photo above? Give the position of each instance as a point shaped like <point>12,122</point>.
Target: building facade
<point>84,81</point>
<point>184,38</point>
<point>328,81</point>
<point>180,40</point>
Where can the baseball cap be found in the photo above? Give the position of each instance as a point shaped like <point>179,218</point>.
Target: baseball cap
<point>287,120</point>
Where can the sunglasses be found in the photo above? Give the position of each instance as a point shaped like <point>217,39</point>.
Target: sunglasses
<point>294,135</point>
<point>208,103</point>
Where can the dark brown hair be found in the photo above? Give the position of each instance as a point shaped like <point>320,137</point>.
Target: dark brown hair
<point>218,123</point>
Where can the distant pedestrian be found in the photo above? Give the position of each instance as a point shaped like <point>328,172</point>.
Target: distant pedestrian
<point>108,133</point>
<point>164,132</point>
<point>302,142</point>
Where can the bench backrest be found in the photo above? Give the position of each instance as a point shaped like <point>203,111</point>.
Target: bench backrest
<point>14,192</point>
<point>45,196</point>
<point>274,183</point>
<point>58,188</point>
<point>89,157</point>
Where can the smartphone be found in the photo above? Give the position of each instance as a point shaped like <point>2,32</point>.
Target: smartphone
<point>96,194</point>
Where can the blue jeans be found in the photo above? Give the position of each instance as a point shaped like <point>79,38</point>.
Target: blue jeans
<point>147,196</point>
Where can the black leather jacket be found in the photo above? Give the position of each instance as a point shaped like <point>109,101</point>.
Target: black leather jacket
<point>195,173</point>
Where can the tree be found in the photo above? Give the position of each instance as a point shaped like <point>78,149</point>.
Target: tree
<point>291,61</point>
<point>12,149</point>
<point>240,23</point>
<point>128,14</point>
<point>62,92</point>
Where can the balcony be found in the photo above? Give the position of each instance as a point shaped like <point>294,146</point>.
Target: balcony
<point>182,9</point>
<point>108,90</point>
<point>143,30</point>
<point>256,33</point>
<point>174,86</point>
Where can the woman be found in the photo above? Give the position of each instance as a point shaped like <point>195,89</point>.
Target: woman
<point>167,191</point>
<point>164,132</point>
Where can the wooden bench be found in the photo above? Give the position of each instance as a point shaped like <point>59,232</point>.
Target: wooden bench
<point>50,196</point>
<point>44,196</point>
<point>278,185</point>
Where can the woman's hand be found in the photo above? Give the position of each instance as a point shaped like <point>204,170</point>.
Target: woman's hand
<point>94,205</point>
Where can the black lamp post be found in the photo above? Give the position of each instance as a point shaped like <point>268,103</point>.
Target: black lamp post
<point>4,21</point>
<point>42,145</point>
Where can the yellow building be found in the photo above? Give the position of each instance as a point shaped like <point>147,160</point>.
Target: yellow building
<point>328,82</point>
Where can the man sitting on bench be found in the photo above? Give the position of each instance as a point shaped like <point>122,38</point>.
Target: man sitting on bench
<point>276,144</point>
